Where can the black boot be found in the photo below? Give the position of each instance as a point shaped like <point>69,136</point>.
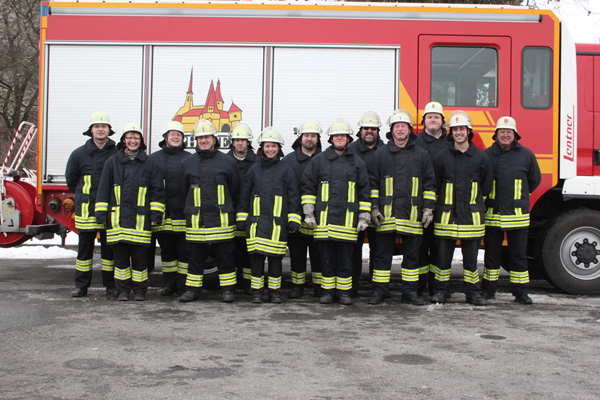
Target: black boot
<point>188,296</point>
<point>376,298</point>
<point>257,296</point>
<point>413,298</point>
<point>523,299</point>
<point>275,296</point>
<point>296,291</point>
<point>477,300</point>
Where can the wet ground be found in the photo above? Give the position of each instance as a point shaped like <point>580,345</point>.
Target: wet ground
<point>57,347</point>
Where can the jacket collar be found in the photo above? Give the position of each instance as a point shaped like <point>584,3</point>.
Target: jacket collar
<point>470,151</point>
<point>124,158</point>
<point>300,156</point>
<point>250,156</point>
<point>206,153</point>
<point>394,148</point>
<point>91,147</point>
<point>332,154</point>
<point>430,139</point>
<point>362,147</point>
<point>495,148</point>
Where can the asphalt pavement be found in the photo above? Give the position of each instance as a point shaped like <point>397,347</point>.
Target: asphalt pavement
<point>57,347</point>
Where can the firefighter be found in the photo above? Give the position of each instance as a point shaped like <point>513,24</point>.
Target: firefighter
<point>243,154</point>
<point>83,172</point>
<point>335,200</point>
<point>366,145</point>
<point>209,181</point>
<point>516,175</point>
<point>171,233</point>
<point>433,139</point>
<point>403,196</point>
<point>269,206</point>
<point>464,177</point>
<point>306,146</point>
<point>131,198</point>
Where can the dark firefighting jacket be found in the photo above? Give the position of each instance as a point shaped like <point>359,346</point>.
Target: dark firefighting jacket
<point>338,185</point>
<point>82,174</point>
<point>243,167</point>
<point>209,181</point>
<point>245,164</point>
<point>364,152</point>
<point>131,195</point>
<point>516,175</point>
<point>168,160</point>
<point>402,184</point>
<point>430,144</point>
<point>269,205</point>
<point>463,180</point>
<point>298,161</point>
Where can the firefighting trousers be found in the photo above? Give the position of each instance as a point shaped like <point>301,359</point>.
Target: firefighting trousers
<point>382,263</point>
<point>84,262</point>
<point>358,254</point>
<point>223,252</point>
<point>298,244</point>
<point>174,259</point>
<point>336,266</point>
<point>131,267</point>
<point>275,266</point>
<point>470,249</point>
<point>517,260</point>
<point>242,260</point>
<point>427,260</point>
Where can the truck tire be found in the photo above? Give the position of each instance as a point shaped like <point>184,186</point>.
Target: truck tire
<point>571,252</point>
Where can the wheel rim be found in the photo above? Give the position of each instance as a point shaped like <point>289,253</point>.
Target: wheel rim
<point>580,253</point>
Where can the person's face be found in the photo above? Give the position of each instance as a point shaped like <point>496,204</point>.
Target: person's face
<point>401,132</point>
<point>505,138</point>
<point>369,135</point>
<point>309,141</point>
<point>100,132</point>
<point>270,149</point>
<point>205,142</point>
<point>240,146</point>
<point>174,138</point>
<point>339,141</point>
<point>132,141</point>
<point>433,122</point>
<point>460,134</point>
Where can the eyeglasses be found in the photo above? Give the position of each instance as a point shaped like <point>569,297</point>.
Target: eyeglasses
<point>368,128</point>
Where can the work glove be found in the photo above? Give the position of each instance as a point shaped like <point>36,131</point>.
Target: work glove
<point>376,216</point>
<point>363,221</point>
<point>294,226</point>
<point>309,215</point>
<point>427,217</point>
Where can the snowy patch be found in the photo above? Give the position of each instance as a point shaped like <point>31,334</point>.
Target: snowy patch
<point>37,252</point>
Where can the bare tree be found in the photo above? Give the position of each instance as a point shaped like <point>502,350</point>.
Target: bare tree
<point>19,38</point>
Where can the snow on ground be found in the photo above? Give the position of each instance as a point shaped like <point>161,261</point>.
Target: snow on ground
<point>37,252</point>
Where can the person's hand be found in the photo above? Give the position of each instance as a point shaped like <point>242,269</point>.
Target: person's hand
<point>363,221</point>
<point>427,217</point>
<point>309,215</point>
<point>376,217</point>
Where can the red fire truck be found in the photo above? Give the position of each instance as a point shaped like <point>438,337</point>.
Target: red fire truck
<point>279,63</point>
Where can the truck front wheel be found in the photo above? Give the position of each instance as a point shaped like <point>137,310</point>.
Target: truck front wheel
<point>571,252</point>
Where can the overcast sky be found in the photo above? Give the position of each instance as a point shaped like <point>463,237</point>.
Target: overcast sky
<point>582,17</point>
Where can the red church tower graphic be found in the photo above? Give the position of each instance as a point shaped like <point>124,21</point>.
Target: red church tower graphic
<point>212,109</point>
